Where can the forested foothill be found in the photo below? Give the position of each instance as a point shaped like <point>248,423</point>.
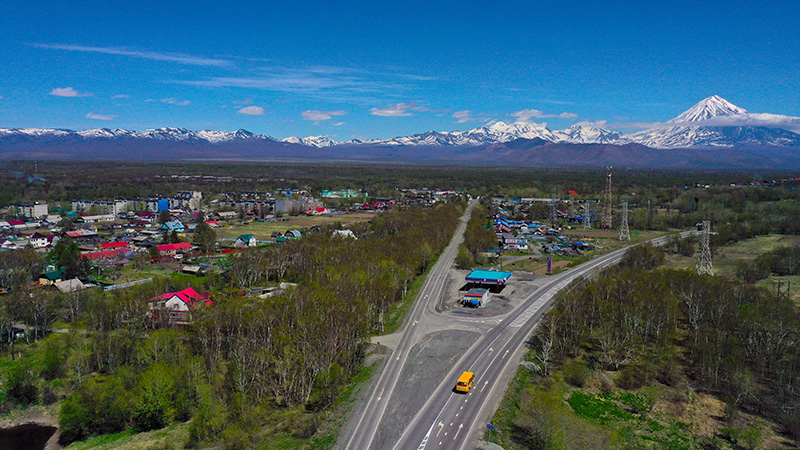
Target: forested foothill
<point>272,354</point>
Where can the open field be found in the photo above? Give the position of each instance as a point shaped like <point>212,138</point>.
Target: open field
<point>596,416</point>
<point>725,258</point>
<point>264,230</point>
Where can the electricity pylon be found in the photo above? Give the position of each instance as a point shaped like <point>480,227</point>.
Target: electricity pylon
<point>624,232</point>
<point>704,266</point>
<point>607,217</point>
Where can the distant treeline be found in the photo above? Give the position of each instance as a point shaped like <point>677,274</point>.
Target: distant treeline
<point>66,181</point>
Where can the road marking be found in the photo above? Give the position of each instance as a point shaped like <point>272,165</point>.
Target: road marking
<point>441,427</point>
<point>381,394</point>
<point>459,429</point>
<point>504,354</point>
<point>484,385</point>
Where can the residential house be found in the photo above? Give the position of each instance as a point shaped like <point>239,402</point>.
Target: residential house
<point>174,249</point>
<point>175,308</point>
<point>51,277</point>
<point>38,240</point>
<point>245,240</point>
<point>174,225</point>
<point>293,234</point>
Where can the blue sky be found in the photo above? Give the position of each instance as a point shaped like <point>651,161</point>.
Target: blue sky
<point>382,69</point>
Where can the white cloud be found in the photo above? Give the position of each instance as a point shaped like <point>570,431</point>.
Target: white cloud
<point>100,116</point>
<point>173,101</point>
<point>180,58</point>
<point>318,116</point>
<point>338,124</point>
<point>252,111</point>
<point>526,114</point>
<point>463,116</point>
<point>397,110</point>
<point>69,92</point>
<point>247,101</point>
<point>121,96</point>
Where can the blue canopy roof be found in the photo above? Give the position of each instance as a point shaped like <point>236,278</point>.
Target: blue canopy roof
<point>488,276</point>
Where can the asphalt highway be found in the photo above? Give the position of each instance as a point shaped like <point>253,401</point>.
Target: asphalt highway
<point>432,289</point>
<point>450,420</point>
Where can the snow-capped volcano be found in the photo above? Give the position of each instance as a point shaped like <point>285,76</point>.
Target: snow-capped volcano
<point>709,108</point>
<point>714,122</point>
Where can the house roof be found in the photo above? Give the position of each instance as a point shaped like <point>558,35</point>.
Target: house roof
<point>118,244</point>
<point>53,275</point>
<point>246,237</point>
<point>172,247</point>
<point>72,285</point>
<point>102,254</point>
<point>294,233</point>
<point>188,296</point>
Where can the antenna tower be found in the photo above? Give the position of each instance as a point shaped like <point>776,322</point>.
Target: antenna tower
<point>624,232</point>
<point>607,218</point>
<point>704,258</point>
<point>553,214</point>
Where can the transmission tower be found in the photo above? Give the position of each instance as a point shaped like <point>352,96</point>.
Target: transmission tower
<point>553,213</point>
<point>607,218</point>
<point>624,232</point>
<point>572,212</point>
<point>704,258</point>
<point>587,218</point>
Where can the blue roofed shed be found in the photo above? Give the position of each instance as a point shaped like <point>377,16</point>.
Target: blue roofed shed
<point>488,277</point>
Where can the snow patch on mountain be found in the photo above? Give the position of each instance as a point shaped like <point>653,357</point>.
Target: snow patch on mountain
<point>311,141</point>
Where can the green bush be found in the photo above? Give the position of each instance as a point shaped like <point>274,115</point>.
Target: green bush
<point>576,372</point>
<point>752,271</point>
<point>53,359</point>
<point>636,375</point>
<point>21,384</point>
<point>643,256</point>
<point>155,397</point>
<point>101,405</point>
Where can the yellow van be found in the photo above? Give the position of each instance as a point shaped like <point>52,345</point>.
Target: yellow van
<point>465,382</point>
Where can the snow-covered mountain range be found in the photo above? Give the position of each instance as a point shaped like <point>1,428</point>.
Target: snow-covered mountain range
<point>713,122</point>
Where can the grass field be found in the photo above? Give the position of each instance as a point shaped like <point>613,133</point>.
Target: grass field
<point>655,417</point>
<point>725,258</point>
<point>263,230</point>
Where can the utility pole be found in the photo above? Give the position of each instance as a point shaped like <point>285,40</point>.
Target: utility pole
<point>649,216</point>
<point>624,232</point>
<point>607,217</point>
<point>704,258</point>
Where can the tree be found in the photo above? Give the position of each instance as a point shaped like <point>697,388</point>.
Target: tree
<point>174,238</point>
<point>21,383</point>
<point>205,237</point>
<point>164,216</point>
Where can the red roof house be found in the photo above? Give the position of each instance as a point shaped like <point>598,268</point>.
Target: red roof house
<point>177,307</point>
<point>110,245</point>
<point>171,249</point>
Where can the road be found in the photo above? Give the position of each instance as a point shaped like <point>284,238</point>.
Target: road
<point>362,436</point>
<point>450,420</point>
